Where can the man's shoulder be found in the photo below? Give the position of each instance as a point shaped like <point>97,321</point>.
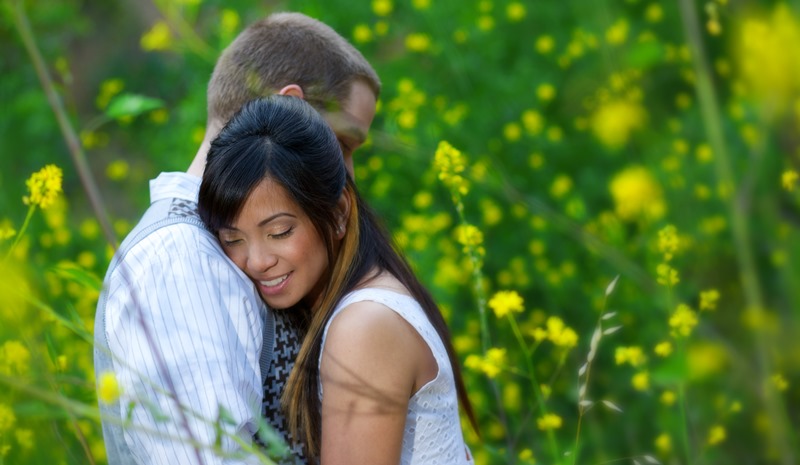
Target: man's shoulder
<point>170,231</point>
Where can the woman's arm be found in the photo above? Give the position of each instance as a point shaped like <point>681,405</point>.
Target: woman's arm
<point>371,365</point>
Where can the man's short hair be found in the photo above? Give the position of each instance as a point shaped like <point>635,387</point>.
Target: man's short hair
<point>282,49</point>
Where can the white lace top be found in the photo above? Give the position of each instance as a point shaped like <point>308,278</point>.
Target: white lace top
<point>433,430</point>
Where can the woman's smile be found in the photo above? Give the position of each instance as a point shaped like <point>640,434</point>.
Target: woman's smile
<point>271,287</point>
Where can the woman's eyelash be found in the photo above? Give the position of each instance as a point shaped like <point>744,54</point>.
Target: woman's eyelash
<point>283,234</point>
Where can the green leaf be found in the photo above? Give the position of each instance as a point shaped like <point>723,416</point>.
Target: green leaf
<point>39,409</point>
<point>77,274</point>
<point>51,348</point>
<point>132,105</point>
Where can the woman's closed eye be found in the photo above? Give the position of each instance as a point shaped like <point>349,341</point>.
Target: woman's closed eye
<point>283,234</point>
<point>230,242</point>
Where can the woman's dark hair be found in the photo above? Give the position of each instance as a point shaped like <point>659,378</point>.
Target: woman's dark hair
<point>281,138</point>
<point>284,139</point>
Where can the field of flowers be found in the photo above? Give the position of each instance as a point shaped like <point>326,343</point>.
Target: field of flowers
<point>603,197</point>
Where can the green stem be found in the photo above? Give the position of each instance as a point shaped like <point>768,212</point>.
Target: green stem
<point>740,228</point>
<point>554,449</point>
<point>477,278</point>
<point>480,295</point>
<point>685,421</point>
<point>190,37</point>
<point>71,138</point>
<point>21,231</point>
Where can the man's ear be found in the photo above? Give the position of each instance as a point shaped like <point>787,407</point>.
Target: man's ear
<point>292,89</point>
<point>342,214</point>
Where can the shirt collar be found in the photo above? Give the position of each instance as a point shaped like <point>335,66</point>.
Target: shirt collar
<point>174,185</point>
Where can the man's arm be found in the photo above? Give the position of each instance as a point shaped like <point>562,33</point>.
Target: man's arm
<point>182,320</point>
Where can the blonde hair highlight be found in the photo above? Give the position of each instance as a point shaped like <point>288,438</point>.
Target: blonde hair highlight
<point>300,397</point>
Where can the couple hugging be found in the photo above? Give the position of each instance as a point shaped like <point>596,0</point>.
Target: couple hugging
<point>259,287</point>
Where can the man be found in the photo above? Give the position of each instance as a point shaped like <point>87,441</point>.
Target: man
<point>198,356</point>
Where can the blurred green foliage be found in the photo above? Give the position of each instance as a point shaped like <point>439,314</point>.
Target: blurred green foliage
<point>599,142</point>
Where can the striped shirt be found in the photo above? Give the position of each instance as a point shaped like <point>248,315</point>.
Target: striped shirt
<point>177,316</point>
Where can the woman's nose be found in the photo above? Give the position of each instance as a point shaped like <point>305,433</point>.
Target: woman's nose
<point>260,259</point>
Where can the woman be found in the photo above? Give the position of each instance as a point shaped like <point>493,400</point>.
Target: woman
<point>376,380</point>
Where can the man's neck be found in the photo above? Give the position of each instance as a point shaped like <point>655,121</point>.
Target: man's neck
<point>199,163</point>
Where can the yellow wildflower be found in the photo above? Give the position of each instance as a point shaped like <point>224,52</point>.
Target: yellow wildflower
<point>7,418</point>
<point>663,349</point>
<point>421,4</point>
<point>229,21</point>
<point>545,92</point>
<point>633,355</point>
<point>44,186</point>
<point>668,398</point>
<point>407,119</point>
<point>706,360</point>
<point>491,212</point>
<point>771,76</point>
<point>7,232</point>
<point>666,275</point>
<point>108,89</point>
<point>159,37</point>
<point>555,133</point>
<point>779,382</point>
<point>515,11</point>
<point>560,334</point>
<point>526,455</point>
<point>708,299</point>
<point>545,44</point>
<point>614,122</point>
<point>714,27</point>
<point>512,132</point>
<point>789,180</point>
<point>362,34</point>
<point>663,443</point>
<point>683,321</point>
<point>637,195</point>
<point>567,339</point>
<point>533,122</point>
<point>546,390</point>
<point>450,163</point>
<point>654,13</point>
<point>469,236</point>
<point>117,170</point>
<point>492,364</point>
<point>485,23</point>
<point>382,7</point>
<point>561,186</point>
<point>24,438</point>
<point>549,421</point>
<point>618,32</point>
<point>641,381</point>
<point>668,241</point>
<point>539,334</point>
<point>14,358</point>
<point>108,389</point>
<point>505,303</point>
<point>703,153</point>
<point>418,42</point>
<point>716,435</point>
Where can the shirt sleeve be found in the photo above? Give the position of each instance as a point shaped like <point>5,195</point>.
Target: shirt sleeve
<point>182,320</point>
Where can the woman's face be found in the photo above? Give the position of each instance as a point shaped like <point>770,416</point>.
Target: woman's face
<point>277,246</point>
